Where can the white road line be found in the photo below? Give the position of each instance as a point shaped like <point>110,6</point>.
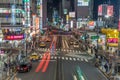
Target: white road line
<point>62,57</point>
<point>78,59</point>
<point>55,57</point>
<point>70,58</point>
<point>86,60</point>
<point>66,44</point>
<point>66,58</point>
<point>51,57</point>
<point>81,59</point>
<point>74,59</point>
<point>59,57</point>
<point>63,43</point>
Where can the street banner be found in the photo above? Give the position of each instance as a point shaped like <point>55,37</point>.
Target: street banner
<point>110,10</point>
<point>99,10</point>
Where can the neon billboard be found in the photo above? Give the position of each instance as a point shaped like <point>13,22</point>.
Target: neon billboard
<point>14,37</point>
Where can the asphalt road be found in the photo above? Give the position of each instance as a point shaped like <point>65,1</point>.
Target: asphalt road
<point>50,74</point>
<point>89,70</point>
<point>62,69</point>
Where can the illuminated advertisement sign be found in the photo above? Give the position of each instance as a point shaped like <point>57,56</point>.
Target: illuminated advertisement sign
<point>110,10</point>
<point>99,10</point>
<point>14,37</point>
<point>83,3</point>
<point>37,25</point>
<point>112,40</point>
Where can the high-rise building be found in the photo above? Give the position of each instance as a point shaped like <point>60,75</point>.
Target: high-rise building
<point>82,8</point>
<point>11,13</point>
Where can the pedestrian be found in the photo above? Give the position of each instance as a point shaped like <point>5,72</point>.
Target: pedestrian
<point>5,66</point>
<point>106,67</point>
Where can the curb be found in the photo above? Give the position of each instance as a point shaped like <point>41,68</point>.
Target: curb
<point>106,75</point>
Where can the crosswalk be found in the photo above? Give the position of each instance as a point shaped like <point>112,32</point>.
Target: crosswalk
<point>64,50</point>
<point>67,58</point>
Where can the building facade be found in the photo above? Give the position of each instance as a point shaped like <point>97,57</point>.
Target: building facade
<point>11,13</point>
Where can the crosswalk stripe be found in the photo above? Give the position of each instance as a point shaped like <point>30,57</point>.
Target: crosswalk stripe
<point>78,59</point>
<point>74,59</point>
<point>59,57</point>
<point>62,57</point>
<point>55,57</point>
<point>86,60</point>
<point>66,58</point>
<point>70,58</point>
<point>81,59</point>
<point>51,57</point>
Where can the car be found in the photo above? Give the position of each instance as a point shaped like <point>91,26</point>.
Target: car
<point>71,42</point>
<point>76,45</point>
<point>79,74</point>
<point>24,65</point>
<point>34,57</point>
<point>42,44</point>
<point>48,40</point>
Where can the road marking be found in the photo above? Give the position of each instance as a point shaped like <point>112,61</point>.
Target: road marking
<point>62,57</point>
<point>70,58</point>
<point>59,57</point>
<point>66,58</point>
<point>86,60</point>
<point>51,57</point>
<point>63,43</point>
<point>55,57</point>
<point>66,44</point>
<point>81,59</point>
<point>78,59</point>
<point>74,59</point>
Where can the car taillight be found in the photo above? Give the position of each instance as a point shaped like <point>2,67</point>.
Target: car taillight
<point>25,67</point>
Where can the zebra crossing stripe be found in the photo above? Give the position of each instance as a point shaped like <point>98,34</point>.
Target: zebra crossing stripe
<point>70,58</point>
<point>62,57</point>
<point>74,59</point>
<point>86,60</point>
<point>78,59</point>
<point>81,59</point>
<point>55,57</point>
<point>59,57</point>
<point>51,57</point>
<point>66,58</point>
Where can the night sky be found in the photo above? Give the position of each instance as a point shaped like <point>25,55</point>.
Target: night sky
<point>115,3</point>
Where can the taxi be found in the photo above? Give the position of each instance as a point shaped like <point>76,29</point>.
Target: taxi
<point>48,39</point>
<point>34,57</point>
<point>42,44</point>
